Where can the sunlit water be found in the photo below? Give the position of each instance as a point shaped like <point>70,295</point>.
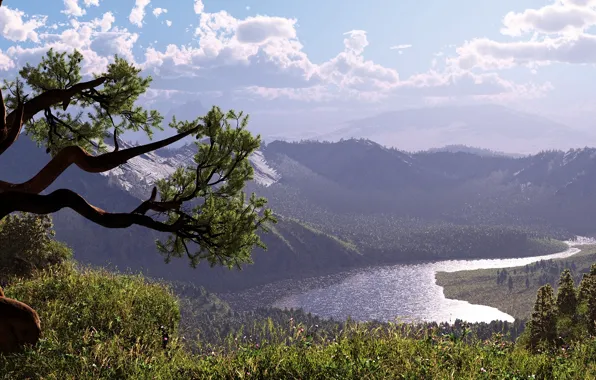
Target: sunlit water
<point>405,292</point>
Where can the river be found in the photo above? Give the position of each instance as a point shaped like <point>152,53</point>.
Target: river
<point>405,292</point>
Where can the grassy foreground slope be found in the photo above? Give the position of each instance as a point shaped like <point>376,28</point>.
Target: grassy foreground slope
<point>481,286</point>
<point>99,325</point>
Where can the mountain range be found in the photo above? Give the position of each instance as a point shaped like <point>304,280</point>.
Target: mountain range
<point>344,205</point>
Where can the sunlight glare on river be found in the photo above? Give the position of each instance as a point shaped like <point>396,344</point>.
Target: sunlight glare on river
<point>405,292</point>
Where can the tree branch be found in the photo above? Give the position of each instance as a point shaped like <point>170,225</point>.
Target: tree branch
<point>12,201</point>
<point>26,111</point>
<point>91,164</point>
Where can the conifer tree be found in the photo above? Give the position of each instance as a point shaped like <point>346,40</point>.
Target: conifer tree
<point>542,326</point>
<point>587,299</point>
<point>566,297</point>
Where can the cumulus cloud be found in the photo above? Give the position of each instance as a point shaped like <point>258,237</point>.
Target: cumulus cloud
<point>96,39</point>
<point>137,14</point>
<point>550,19</point>
<point>262,57</point>
<point>199,7</point>
<point>159,11</point>
<point>89,3</point>
<point>5,62</point>
<point>106,21</point>
<point>72,8</point>
<point>13,27</point>
<point>259,29</point>
<point>557,33</point>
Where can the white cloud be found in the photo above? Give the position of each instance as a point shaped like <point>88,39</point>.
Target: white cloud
<point>13,28</point>
<point>72,8</point>
<point>89,3</point>
<point>5,62</point>
<point>118,41</point>
<point>400,47</point>
<point>263,57</point>
<point>259,29</point>
<point>137,14</point>
<point>551,19</point>
<point>488,54</point>
<point>159,11</point>
<point>106,21</point>
<point>95,39</point>
<point>558,33</point>
<point>199,6</point>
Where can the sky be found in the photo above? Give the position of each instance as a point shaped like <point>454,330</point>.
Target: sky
<point>303,62</point>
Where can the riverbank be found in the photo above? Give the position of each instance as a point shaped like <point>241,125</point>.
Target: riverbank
<point>515,297</point>
<point>266,295</point>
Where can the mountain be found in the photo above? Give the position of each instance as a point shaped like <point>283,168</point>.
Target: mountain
<point>139,174</point>
<point>493,127</point>
<point>344,205</point>
<point>186,111</point>
<point>361,180</point>
<point>293,247</point>
<point>456,148</point>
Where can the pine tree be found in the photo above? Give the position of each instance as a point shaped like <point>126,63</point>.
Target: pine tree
<point>566,297</point>
<point>527,282</point>
<point>587,299</point>
<point>542,326</point>
<point>510,284</point>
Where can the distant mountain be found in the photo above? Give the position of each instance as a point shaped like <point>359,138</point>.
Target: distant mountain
<point>494,127</point>
<point>456,148</point>
<point>186,112</point>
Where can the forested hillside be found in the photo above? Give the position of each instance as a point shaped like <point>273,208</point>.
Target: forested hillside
<point>349,204</point>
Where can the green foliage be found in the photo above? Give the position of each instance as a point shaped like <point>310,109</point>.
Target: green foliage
<point>208,216</point>
<point>566,295</point>
<point>103,325</point>
<point>542,327</point>
<point>222,170</point>
<point>95,325</point>
<point>109,107</point>
<point>28,246</point>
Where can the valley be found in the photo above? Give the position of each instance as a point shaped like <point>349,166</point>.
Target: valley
<point>347,206</point>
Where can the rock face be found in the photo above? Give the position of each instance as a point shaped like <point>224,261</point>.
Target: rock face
<point>139,174</point>
<point>19,325</point>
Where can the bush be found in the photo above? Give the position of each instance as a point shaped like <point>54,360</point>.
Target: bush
<point>27,245</point>
<point>95,324</point>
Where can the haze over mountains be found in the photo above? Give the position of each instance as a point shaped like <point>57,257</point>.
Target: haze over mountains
<point>488,126</point>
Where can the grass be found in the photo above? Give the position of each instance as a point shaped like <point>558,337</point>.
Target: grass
<point>480,286</point>
<point>100,325</point>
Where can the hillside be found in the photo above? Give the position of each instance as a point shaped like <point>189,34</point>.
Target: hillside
<point>344,205</point>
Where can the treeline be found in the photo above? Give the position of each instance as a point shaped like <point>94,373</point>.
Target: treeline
<point>209,324</point>
<point>540,272</point>
<point>564,318</point>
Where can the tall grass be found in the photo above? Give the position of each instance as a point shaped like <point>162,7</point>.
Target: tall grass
<point>99,325</point>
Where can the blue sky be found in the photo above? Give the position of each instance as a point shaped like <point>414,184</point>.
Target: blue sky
<point>345,55</point>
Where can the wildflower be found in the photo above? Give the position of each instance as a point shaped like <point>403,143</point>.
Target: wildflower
<point>482,369</point>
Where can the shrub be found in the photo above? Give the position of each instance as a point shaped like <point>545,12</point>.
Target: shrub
<point>27,245</point>
<point>95,324</point>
